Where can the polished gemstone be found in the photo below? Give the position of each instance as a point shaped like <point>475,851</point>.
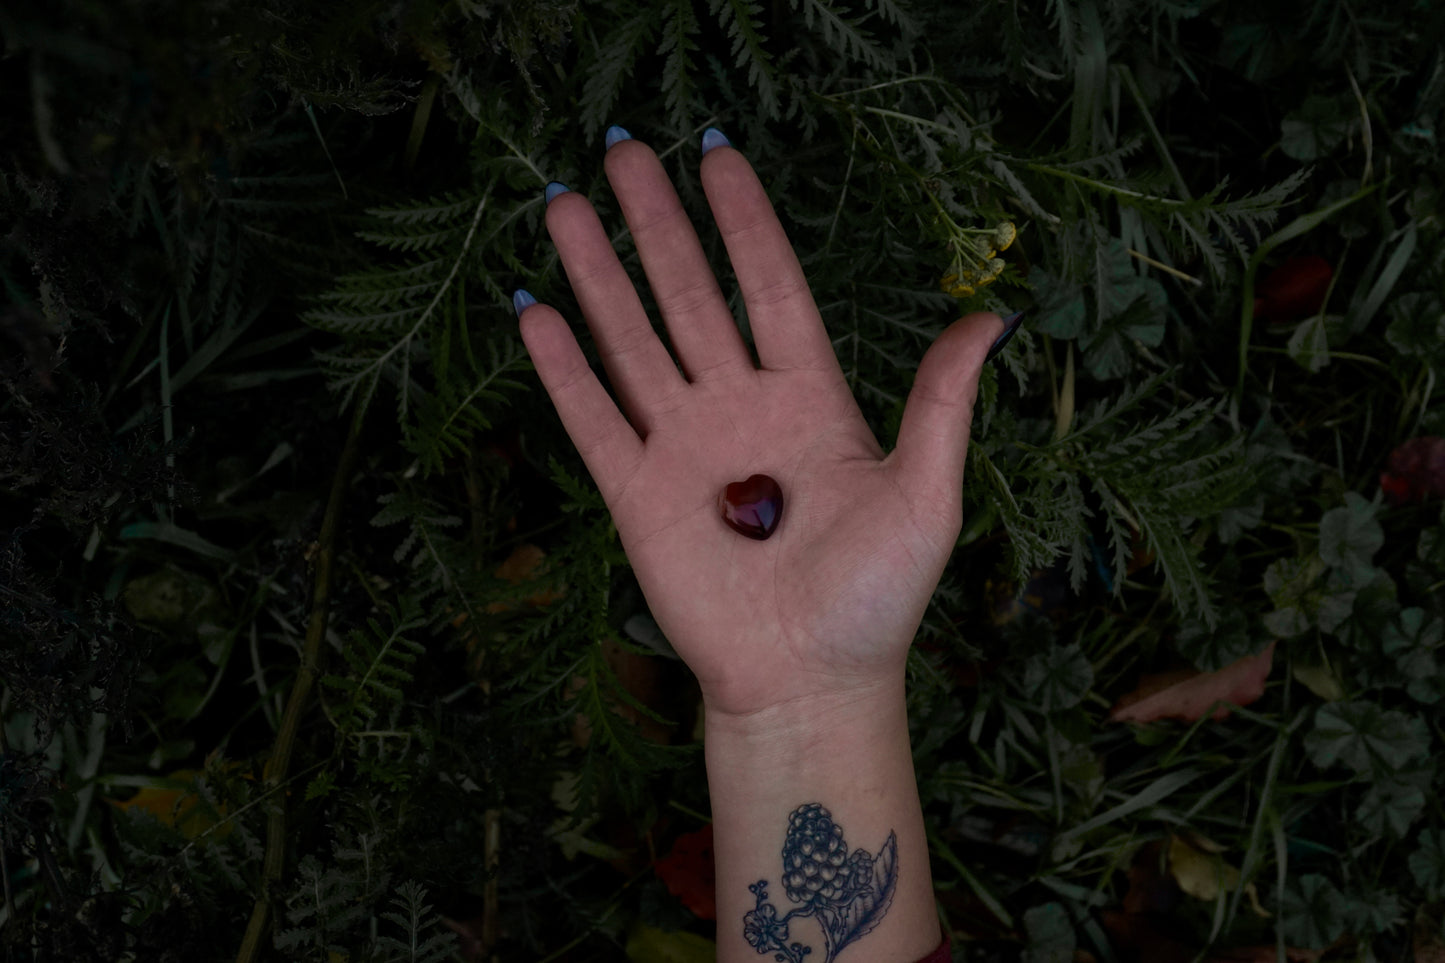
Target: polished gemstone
<point>752,507</point>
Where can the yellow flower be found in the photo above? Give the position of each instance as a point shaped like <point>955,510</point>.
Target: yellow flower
<point>1003,235</point>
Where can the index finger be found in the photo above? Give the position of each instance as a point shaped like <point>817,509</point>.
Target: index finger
<point>787,328</point>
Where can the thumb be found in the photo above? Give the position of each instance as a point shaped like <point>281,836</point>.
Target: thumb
<point>933,438</point>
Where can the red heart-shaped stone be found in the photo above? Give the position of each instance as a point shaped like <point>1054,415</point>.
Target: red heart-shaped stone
<point>752,507</point>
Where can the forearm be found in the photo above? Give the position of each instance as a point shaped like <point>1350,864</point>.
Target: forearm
<point>851,757</point>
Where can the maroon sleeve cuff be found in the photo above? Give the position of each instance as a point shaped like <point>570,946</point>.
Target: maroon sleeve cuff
<point>940,955</point>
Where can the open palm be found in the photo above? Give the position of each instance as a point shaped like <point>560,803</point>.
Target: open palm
<point>830,602</point>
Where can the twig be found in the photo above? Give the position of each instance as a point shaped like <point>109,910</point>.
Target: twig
<point>492,818</point>
<point>276,767</point>
<point>4,842</point>
<point>1181,275</point>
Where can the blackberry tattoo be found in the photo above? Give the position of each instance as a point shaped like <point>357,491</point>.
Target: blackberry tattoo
<point>847,894</point>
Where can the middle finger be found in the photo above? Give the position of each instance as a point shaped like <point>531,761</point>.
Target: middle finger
<point>701,327</point>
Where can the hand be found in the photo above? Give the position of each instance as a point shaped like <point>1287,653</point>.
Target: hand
<point>827,606</point>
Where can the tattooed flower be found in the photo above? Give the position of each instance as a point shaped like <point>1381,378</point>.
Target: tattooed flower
<point>762,928</point>
<point>815,858</point>
<point>860,873</point>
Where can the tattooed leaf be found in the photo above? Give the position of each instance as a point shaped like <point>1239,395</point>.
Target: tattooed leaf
<point>866,909</point>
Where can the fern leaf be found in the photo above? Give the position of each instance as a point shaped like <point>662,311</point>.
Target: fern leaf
<point>425,940</point>
<point>379,661</point>
<point>843,34</point>
<point>741,21</point>
<point>616,56</point>
<point>678,29</point>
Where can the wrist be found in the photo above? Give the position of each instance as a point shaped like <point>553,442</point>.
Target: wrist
<point>778,689</point>
<point>847,754</point>
<point>826,713</point>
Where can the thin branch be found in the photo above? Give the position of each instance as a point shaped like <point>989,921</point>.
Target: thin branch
<point>280,760</point>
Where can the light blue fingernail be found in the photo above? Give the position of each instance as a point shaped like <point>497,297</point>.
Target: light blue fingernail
<point>522,299</point>
<point>615,135</point>
<point>712,137</point>
<point>554,188</point>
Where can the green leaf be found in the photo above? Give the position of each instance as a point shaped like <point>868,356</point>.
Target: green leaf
<point>1211,649</point>
<point>1427,862</point>
<point>1417,325</point>
<point>321,786</point>
<point>1366,738</point>
<point>1376,606</point>
<point>1372,911</point>
<point>1313,912</point>
<point>1392,804</point>
<point>173,534</point>
<point>1252,48</point>
<point>1415,629</point>
<point>1317,127</point>
<point>1233,522</point>
<point>1059,678</point>
<point>1309,346</point>
<point>1411,640</point>
<point>1061,311</point>
<point>1301,600</point>
<point>1130,307</point>
<point>1431,549</point>
<point>1082,772</point>
<point>425,936</point>
<point>1350,536</point>
<point>1286,622</point>
<point>1119,287</point>
<point>1051,935</point>
<point>1364,308</point>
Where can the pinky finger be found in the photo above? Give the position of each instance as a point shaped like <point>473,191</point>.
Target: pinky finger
<point>609,446</point>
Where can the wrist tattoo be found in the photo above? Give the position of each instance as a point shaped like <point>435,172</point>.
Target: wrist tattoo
<point>846,894</point>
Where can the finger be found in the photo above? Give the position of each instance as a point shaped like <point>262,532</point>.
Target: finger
<point>698,321</point>
<point>787,328</point>
<point>609,446</point>
<point>933,437</point>
<point>638,365</point>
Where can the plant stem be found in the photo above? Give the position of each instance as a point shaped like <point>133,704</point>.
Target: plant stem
<point>280,760</point>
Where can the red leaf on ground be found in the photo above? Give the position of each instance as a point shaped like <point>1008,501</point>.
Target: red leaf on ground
<point>1189,694</point>
<point>1293,291</point>
<point>1416,471</point>
<point>1147,938</point>
<point>689,873</point>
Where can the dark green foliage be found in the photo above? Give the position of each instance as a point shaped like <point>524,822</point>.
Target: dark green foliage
<point>229,228</point>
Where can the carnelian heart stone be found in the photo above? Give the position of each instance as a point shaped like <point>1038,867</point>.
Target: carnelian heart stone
<point>752,507</point>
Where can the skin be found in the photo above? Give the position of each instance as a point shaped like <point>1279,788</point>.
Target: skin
<point>798,642</point>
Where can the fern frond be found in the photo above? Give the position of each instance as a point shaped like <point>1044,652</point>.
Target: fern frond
<point>679,26</point>
<point>398,307</point>
<point>616,56</point>
<point>1158,480</point>
<point>415,241</point>
<point>426,938</point>
<point>378,661</point>
<point>892,12</point>
<point>444,424</point>
<point>843,33</point>
<point>449,208</point>
<point>741,20</point>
